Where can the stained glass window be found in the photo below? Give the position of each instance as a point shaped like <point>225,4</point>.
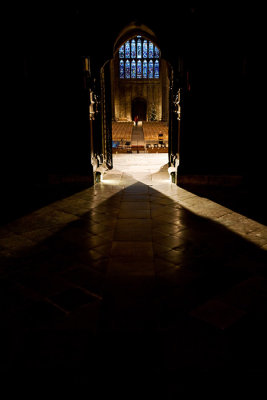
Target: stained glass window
<point>133,69</point>
<point>156,69</point>
<point>150,69</point>
<point>121,69</point>
<point>139,48</point>
<point>127,69</point>
<point>127,50</point>
<point>151,50</point>
<point>121,51</point>
<point>133,49</point>
<point>156,52</point>
<point>145,49</point>
<point>145,69</point>
<point>133,63</point>
<point>139,69</point>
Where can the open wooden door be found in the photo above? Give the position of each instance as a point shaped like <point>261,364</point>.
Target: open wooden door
<point>106,111</point>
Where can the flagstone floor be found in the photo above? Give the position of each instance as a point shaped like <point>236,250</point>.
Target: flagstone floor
<point>134,287</point>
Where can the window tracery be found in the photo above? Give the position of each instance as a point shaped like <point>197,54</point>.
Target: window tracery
<point>139,59</point>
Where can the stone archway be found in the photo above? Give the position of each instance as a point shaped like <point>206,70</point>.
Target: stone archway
<point>139,107</point>
<point>125,95</point>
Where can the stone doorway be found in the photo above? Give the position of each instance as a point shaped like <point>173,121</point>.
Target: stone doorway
<point>139,107</point>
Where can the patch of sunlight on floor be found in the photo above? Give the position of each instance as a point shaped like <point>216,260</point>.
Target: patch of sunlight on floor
<point>149,172</point>
<point>134,164</point>
<point>152,170</point>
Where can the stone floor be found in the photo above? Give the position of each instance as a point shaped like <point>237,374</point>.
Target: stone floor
<point>135,288</point>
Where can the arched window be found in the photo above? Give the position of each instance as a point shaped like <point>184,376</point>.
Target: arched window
<point>145,69</point>
<point>145,49</point>
<point>127,49</point>
<point>156,69</point>
<point>139,69</point>
<point>121,51</point>
<point>156,52</point>
<point>133,49</point>
<point>133,57</point>
<point>150,69</point>
<point>127,69</point>
<point>133,69</point>
<point>121,69</point>
<point>151,50</point>
<point>139,48</point>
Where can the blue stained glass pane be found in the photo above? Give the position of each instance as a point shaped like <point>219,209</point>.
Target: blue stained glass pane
<point>133,49</point>
<point>139,48</point>
<point>127,50</point>
<point>121,69</point>
<point>151,50</point>
<point>150,69</point>
<point>127,69</point>
<point>156,52</point>
<point>121,51</point>
<point>133,69</point>
<point>145,69</point>
<point>139,69</point>
<point>145,49</point>
<point>156,69</point>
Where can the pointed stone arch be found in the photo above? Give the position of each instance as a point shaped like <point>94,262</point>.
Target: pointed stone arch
<point>139,108</point>
<point>123,105</point>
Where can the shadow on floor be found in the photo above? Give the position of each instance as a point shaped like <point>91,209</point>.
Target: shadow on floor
<point>249,201</point>
<point>20,200</point>
<point>133,290</point>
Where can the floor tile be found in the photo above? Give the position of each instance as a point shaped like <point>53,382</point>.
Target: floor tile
<point>132,249</point>
<point>72,298</point>
<point>218,314</point>
<point>134,272</point>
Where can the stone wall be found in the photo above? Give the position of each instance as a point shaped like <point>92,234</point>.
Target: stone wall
<point>153,91</point>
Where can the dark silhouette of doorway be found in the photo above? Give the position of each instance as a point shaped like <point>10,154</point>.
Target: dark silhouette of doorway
<point>139,107</point>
